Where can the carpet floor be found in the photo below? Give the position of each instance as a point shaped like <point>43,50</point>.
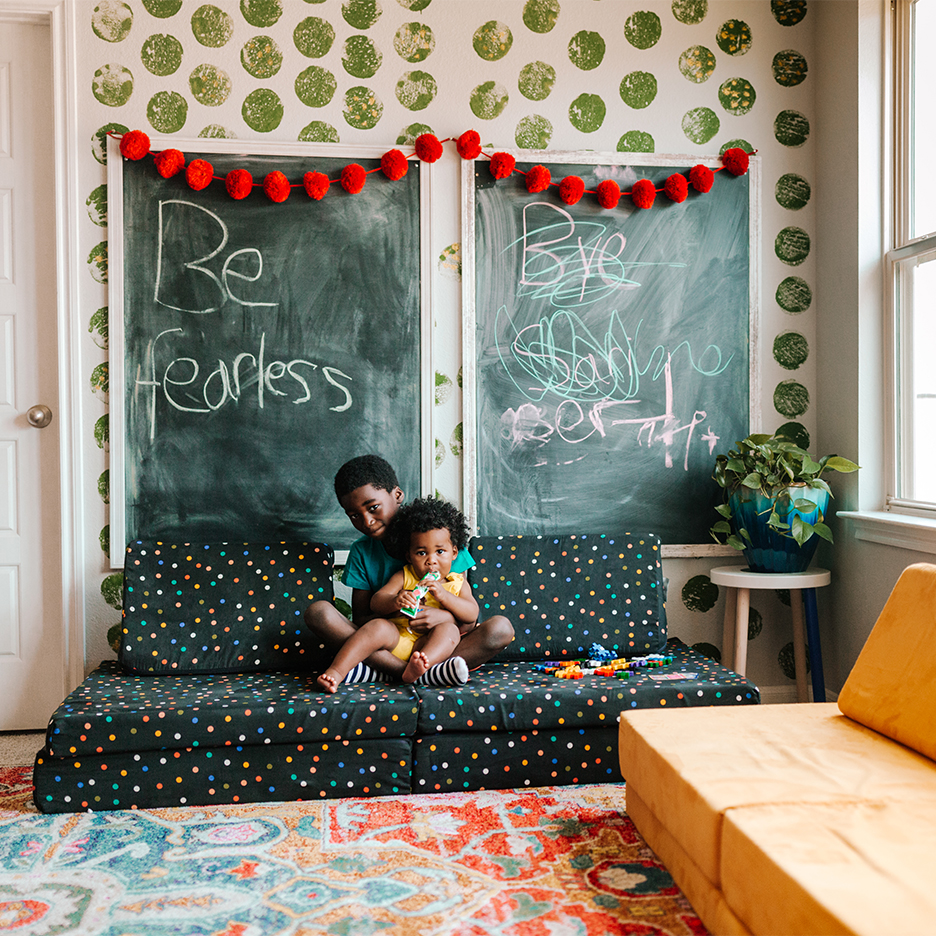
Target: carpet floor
<point>554,861</point>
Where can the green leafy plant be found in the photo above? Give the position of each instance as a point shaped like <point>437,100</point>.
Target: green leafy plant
<point>775,467</point>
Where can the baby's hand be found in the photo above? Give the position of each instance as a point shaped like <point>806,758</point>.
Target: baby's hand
<point>436,589</point>
<point>407,599</point>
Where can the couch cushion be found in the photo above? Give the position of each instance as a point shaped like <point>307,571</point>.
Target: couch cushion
<point>221,608</point>
<point>892,686</point>
<point>564,593</point>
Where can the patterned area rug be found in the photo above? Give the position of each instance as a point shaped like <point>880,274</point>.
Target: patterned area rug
<point>555,861</point>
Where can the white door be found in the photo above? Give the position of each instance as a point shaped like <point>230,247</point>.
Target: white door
<point>32,640</point>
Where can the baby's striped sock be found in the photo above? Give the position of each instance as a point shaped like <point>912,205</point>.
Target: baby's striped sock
<point>364,673</point>
<point>450,672</point>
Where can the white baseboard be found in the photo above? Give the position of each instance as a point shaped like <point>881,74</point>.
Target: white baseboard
<point>773,695</point>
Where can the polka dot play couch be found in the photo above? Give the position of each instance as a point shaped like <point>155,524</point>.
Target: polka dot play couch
<point>214,699</point>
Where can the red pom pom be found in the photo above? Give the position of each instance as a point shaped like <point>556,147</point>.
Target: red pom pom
<point>393,164</point>
<point>571,189</point>
<point>353,178</point>
<point>502,164</point>
<point>609,193</point>
<point>134,144</point>
<point>643,193</point>
<point>701,178</point>
<point>735,160</point>
<point>238,183</point>
<point>276,186</point>
<point>316,184</point>
<point>169,162</point>
<point>537,179</point>
<point>676,187</point>
<point>469,145</point>
<point>428,147</point>
<point>198,173</point>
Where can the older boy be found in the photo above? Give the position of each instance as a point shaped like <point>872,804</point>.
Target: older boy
<point>368,491</point>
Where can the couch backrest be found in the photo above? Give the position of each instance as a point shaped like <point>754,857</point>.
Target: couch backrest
<point>892,686</point>
<point>564,593</point>
<point>221,607</point>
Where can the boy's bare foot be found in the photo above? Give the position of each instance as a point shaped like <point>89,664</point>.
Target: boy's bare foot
<point>417,665</point>
<point>329,680</point>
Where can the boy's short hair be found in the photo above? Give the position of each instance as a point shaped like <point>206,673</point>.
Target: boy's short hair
<point>420,516</point>
<point>365,469</point>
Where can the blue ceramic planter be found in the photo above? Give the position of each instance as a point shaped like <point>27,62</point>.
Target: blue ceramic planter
<point>768,551</point>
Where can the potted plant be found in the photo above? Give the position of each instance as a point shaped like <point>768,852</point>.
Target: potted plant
<point>775,502</point>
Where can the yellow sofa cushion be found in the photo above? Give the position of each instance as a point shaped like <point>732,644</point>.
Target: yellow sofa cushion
<point>892,686</point>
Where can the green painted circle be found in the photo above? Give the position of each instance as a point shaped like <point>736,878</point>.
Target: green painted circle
<point>734,37</point>
<point>167,111</point>
<point>587,112</point>
<point>318,132</point>
<point>162,9</point>
<point>103,485</point>
<point>638,89</point>
<point>792,191</point>
<point>361,14</point>
<point>737,96</point>
<point>161,54</point>
<point>791,128</point>
<point>97,326</point>
<point>112,590</point>
<point>414,6</point>
<point>788,12</point>
<point>586,50</point>
<point>315,86</point>
<point>102,432</point>
<point>492,41</point>
<point>699,594</point>
<point>533,132</point>
<point>97,262</point>
<point>536,80</point>
<point>456,441</point>
<point>216,132</point>
<point>643,29</point>
<point>790,350</point>
<point>414,42</point>
<point>100,385</point>
<point>797,434</point>
<point>99,140</point>
<point>792,246</point>
<point>112,85</point>
<point>361,58</point>
<point>787,661</point>
<point>794,295</point>
<point>738,143</point>
<point>111,20</point>
<point>700,124</point>
<point>755,623</point>
<point>408,135</point>
<point>440,452</point>
<point>261,57</point>
<point>636,141</point>
<point>443,388</point>
<point>540,16</point>
<point>697,63</point>
<point>690,12</point>
<point>262,110</point>
<point>450,264</point>
<point>210,85</point>
<point>416,89</point>
<point>362,108</point>
<point>96,204</point>
<point>261,13</point>
<point>104,540</point>
<point>789,68</point>
<point>488,100</point>
<point>790,399</point>
<point>212,27</point>
<point>313,37</point>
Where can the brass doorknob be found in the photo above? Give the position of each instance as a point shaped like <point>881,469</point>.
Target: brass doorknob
<point>39,416</point>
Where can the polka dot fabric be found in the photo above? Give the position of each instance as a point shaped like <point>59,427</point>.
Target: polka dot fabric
<point>564,593</point>
<point>221,608</point>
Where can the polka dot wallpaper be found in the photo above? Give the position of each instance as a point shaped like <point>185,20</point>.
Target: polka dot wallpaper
<point>664,76</point>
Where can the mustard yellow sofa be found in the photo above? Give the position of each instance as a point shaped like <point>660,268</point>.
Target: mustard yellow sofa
<point>804,819</point>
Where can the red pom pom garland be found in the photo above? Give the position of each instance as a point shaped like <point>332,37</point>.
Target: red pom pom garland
<point>134,144</point>
<point>428,147</point>
<point>676,188</point>
<point>701,178</point>
<point>276,186</point>
<point>316,185</point>
<point>643,193</point>
<point>353,178</point>
<point>169,162</point>
<point>609,193</point>
<point>537,179</point>
<point>571,189</point>
<point>501,165</point>
<point>735,160</point>
<point>198,174</point>
<point>469,145</point>
<point>393,165</point>
<point>238,183</point>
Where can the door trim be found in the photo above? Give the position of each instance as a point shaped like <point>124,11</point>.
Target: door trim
<point>59,16</point>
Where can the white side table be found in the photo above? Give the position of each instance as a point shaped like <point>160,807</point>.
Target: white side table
<point>802,585</point>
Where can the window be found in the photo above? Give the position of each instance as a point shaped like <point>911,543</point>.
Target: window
<point>912,262</point>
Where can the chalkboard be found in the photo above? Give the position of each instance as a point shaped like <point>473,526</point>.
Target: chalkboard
<point>608,353</point>
<point>260,345</point>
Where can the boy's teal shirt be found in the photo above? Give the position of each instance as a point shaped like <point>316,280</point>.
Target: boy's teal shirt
<point>370,566</point>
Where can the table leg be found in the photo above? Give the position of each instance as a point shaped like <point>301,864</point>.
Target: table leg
<point>799,644</point>
<point>815,650</point>
<point>741,630</point>
<point>731,602</point>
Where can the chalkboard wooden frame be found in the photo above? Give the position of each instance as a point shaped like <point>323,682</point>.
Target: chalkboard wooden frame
<point>470,266</point>
<point>116,298</point>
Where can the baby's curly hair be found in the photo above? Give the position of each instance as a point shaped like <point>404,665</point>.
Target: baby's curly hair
<point>420,516</point>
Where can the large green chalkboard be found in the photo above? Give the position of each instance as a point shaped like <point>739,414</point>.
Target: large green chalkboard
<point>263,345</point>
<point>608,352</point>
